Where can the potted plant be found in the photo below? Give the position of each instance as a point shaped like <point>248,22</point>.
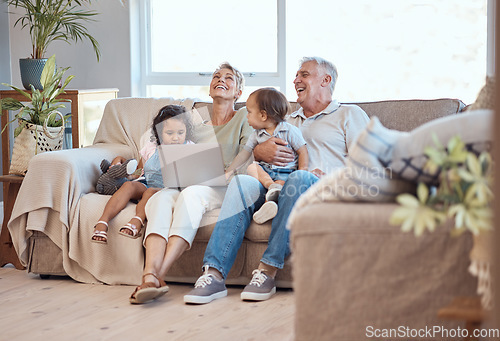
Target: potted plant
<point>47,21</point>
<point>41,126</point>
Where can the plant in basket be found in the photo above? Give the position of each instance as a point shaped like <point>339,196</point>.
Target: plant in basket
<point>41,126</point>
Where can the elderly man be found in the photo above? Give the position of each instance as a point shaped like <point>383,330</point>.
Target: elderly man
<point>328,128</point>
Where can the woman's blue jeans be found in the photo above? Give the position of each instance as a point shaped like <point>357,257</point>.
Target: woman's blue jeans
<point>244,196</point>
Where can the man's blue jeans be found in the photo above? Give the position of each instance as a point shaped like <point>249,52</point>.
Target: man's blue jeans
<point>244,196</point>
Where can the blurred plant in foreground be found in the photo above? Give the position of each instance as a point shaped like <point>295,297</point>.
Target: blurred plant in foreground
<point>464,192</point>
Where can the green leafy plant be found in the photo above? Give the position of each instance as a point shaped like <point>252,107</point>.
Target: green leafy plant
<point>41,103</point>
<point>50,20</point>
<point>464,192</point>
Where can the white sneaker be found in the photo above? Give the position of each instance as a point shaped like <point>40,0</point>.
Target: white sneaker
<point>273,192</point>
<point>267,212</point>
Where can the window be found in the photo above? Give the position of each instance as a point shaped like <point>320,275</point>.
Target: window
<point>389,49</point>
<point>181,65</point>
<point>394,48</point>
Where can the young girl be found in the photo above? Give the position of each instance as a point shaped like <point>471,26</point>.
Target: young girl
<point>267,108</point>
<point>170,126</point>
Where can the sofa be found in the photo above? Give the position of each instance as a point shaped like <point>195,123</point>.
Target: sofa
<point>52,233</point>
<point>54,215</point>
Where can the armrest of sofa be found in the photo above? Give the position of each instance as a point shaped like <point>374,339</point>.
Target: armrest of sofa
<point>353,271</point>
<point>80,166</point>
<point>49,197</point>
<point>56,180</point>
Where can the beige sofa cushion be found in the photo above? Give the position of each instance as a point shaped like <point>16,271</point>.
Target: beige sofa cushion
<point>405,115</point>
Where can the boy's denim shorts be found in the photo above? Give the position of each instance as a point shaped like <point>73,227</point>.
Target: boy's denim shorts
<point>278,173</point>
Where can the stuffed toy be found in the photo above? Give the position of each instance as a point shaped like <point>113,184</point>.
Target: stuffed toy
<point>112,178</point>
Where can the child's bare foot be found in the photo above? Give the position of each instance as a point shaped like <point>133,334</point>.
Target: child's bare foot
<point>133,228</point>
<point>100,234</point>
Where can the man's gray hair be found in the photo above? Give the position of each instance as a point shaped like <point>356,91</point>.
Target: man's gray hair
<point>326,65</point>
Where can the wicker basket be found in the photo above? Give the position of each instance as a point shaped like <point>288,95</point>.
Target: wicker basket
<point>35,139</point>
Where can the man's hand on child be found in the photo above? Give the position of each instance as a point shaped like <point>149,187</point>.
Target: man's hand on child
<point>274,151</point>
<point>318,172</point>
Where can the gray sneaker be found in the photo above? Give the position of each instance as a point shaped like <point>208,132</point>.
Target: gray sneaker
<point>206,289</point>
<point>266,212</point>
<point>260,288</point>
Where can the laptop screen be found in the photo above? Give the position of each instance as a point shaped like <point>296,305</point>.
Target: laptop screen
<point>184,165</point>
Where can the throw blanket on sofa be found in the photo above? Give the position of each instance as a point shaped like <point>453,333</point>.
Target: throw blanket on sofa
<point>57,193</point>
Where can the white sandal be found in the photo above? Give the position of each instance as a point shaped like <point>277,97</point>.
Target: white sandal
<point>99,233</point>
<point>132,228</point>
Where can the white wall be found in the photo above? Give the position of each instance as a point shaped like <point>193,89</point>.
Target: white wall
<point>491,37</point>
<point>4,42</point>
<point>112,31</point>
<point>4,61</point>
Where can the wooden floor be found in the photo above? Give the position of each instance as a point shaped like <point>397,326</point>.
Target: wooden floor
<point>59,308</point>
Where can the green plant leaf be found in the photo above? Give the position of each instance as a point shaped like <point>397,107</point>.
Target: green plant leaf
<point>42,102</point>
<point>463,194</point>
<point>436,141</point>
<point>48,21</point>
<point>17,131</point>
<point>435,156</point>
<point>22,92</point>
<point>454,144</point>
<point>48,71</point>
<point>66,82</point>
<point>10,104</point>
<point>407,200</point>
<point>408,224</point>
<point>422,193</point>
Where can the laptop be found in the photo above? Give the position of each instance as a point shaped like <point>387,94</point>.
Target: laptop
<point>185,165</point>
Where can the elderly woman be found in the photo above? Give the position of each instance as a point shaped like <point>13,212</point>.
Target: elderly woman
<point>173,217</point>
